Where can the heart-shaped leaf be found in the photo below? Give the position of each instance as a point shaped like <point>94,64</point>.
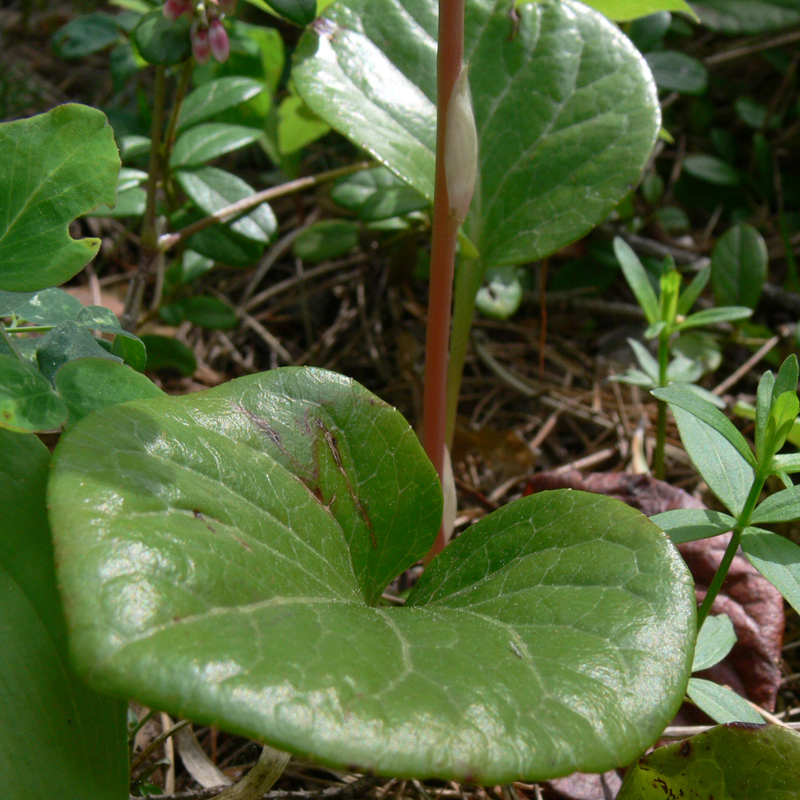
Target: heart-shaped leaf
<point>59,738</point>
<point>222,554</point>
<point>729,762</point>
<point>54,167</point>
<point>565,108</point>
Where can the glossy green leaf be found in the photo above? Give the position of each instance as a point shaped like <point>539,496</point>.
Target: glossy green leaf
<point>714,642</point>
<point>739,267</point>
<point>729,762</point>
<point>50,307</point>
<point>624,10</point>
<point>678,72</point>
<point>53,168</point>
<point>690,524</point>
<point>330,238</point>
<point>711,170</point>
<point>85,35</point>
<point>27,400</point>
<point>564,127</point>
<point>722,704</point>
<point>298,125</point>
<point>393,201</point>
<point>210,140</point>
<point>88,384</point>
<point>67,341</point>
<point>777,559</point>
<point>220,243</point>
<point>213,189</point>
<point>214,97</point>
<point>222,554</point>
<point>131,202</point>
<point>301,12</point>
<point>637,279</point>
<point>747,16</point>
<point>169,354</point>
<point>162,41</point>
<point>60,739</point>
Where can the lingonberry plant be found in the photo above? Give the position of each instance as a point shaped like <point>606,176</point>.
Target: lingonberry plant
<point>222,555</point>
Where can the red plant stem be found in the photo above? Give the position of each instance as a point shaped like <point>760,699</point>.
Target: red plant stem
<point>443,249</point>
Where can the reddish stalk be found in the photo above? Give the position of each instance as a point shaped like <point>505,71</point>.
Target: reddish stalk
<point>443,249</point>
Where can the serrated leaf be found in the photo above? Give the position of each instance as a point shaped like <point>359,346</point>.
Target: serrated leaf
<point>88,384</point>
<point>54,167</point>
<point>729,762</point>
<point>574,91</point>
<point>690,524</point>
<point>777,559</point>
<point>257,523</point>
<point>739,267</point>
<point>213,189</point>
<point>214,97</point>
<point>59,738</point>
<point>722,704</point>
<point>210,140</point>
<point>714,642</point>
<point>27,400</point>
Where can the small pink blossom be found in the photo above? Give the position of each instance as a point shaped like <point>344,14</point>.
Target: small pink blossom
<point>218,39</point>
<point>201,47</point>
<point>174,9</point>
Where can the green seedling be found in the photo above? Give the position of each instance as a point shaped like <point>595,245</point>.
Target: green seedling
<point>667,315</point>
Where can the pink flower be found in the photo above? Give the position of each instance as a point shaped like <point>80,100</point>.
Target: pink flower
<point>227,6</point>
<point>218,40</point>
<point>173,9</point>
<point>201,47</point>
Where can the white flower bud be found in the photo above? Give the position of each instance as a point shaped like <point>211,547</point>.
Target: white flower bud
<point>460,149</point>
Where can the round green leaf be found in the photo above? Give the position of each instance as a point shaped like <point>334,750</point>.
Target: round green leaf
<point>27,400</point>
<point>729,762</point>
<point>565,126</point>
<point>162,41</point>
<point>88,384</point>
<point>222,554</point>
<point>53,168</point>
<point>60,739</point>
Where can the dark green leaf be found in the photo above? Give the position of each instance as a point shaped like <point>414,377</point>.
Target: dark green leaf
<point>747,16</point>
<point>27,401</point>
<point>211,99</point>
<point>722,704</point>
<point>166,353</point>
<point>207,312</point>
<point>99,318</point>
<point>777,559</point>
<point>85,35</point>
<point>210,140</point>
<point>678,72</point>
<point>59,738</point>
<point>66,342</point>
<point>257,523</point>
<point>739,267</point>
<point>11,301</point>
<point>393,201</point>
<point>352,191</point>
<point>54,167</point>
<point>330,238</point>
<point>161,41</point>
<point>714,642</point>
<point>730,762</point>
<point>213,189</point>
<point>689,524</point>
<point>301,12</point>
<point>711,170</point>
<point>88,384</point>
